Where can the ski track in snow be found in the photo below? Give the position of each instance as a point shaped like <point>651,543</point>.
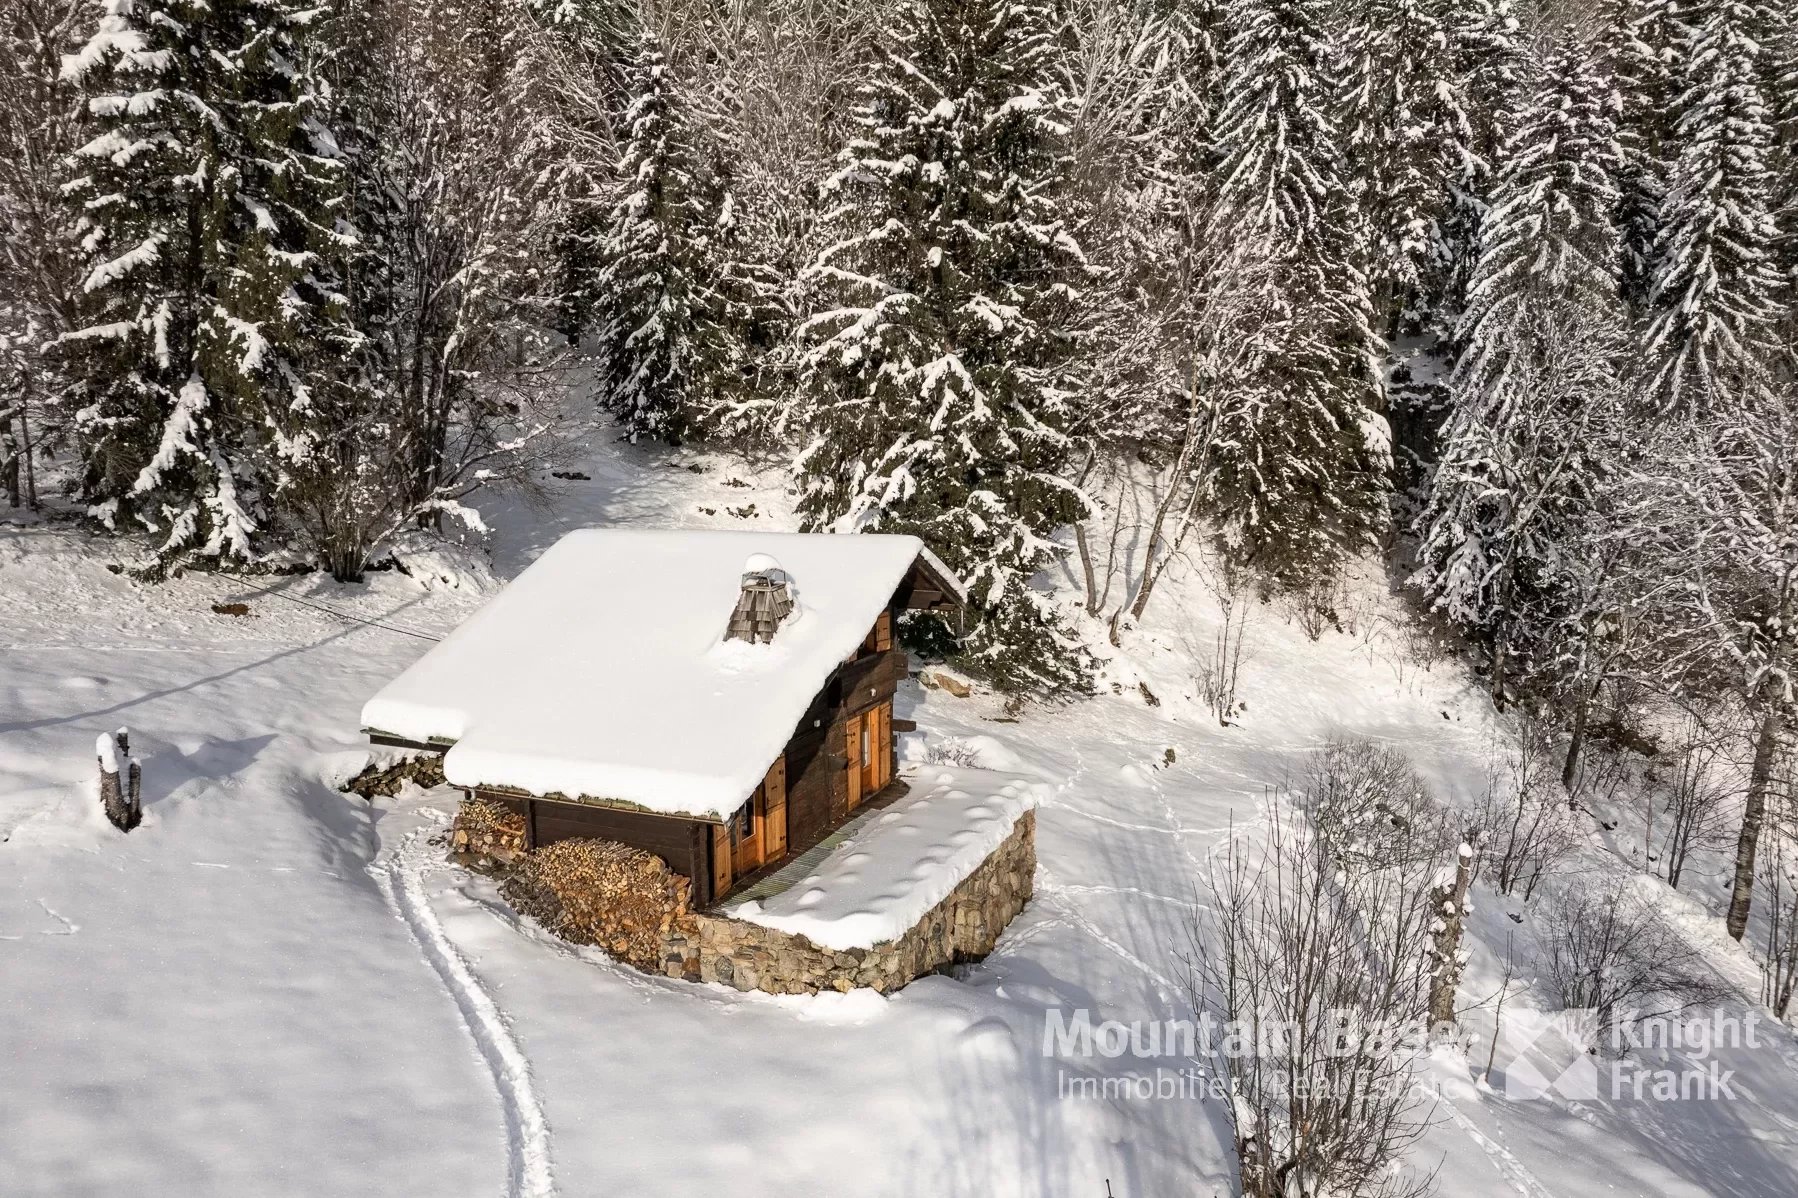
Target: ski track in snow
<point>1508,1166</point>
<point>400,873</point>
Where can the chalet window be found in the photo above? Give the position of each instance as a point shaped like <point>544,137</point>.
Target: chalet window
<point>879,638</point>
<point>743,826</point>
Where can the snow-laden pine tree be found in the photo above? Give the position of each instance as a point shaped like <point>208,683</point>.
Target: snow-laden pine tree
<point>1782,71</point>
<point>439,115</point>
<point>1538,379</point>
<point>583,56</point>
<point>1645,46</point>
<point>209,199</point>
<point>1716,287</point>
<point>1407,126</point>
<point>937,384</point>
<point>39,123</point>
<point>1299,462</point>
<point>661,336</point>
<point>1487,48</point>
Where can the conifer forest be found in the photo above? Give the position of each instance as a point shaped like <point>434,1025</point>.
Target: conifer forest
<point>1503,295</point>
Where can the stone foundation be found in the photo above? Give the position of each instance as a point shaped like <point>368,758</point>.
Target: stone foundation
<point>629,903</point>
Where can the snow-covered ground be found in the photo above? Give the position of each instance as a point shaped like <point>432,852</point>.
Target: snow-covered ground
<point>272,987</point>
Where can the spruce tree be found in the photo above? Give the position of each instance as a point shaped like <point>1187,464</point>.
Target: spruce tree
<point>1644,47</point>
<point>664,336</point>
<point>938,380</point>
<point>1538,383</point>
<point>209,199</point>
<point>1406,122</point>
<point>1489,60</point>
<point>1299,461</point>
<point>1548,237</point>
<point>1715,286</point>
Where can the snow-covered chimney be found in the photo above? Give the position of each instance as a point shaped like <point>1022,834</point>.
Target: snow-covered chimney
<point>765,600</point>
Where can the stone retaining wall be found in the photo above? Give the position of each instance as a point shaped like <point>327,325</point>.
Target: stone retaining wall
<point>963,927</point>
<point>629,903</point>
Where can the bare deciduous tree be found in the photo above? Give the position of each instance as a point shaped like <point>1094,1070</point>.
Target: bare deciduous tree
<point>1524,816</point>
<point>1611,950</point>
<point>1722,496</point>
<point>1694,788</point>
<point>1300,943</point>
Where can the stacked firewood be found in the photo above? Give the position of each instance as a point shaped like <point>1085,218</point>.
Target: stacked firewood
<point>487,833</point>
<point>599,892</point>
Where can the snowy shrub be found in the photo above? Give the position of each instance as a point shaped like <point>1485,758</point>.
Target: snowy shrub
<point>1779,883</point>
<point>1368,804</point>
<point>1694,792</point>
<point>1779,968</point>
<point>1317,606</point>
<point>1525,817</point>
<point>1219,657</point>
<point>952,751</point>
<point>1611,951</point>
<point>1290,939</point>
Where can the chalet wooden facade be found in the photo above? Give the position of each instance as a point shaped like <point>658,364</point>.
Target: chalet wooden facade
<point>838,754</point>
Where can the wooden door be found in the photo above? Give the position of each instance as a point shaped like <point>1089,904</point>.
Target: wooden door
<point>774,829</point>
<point>746,834</point>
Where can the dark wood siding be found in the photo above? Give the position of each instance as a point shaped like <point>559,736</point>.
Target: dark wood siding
<point>673,839</point>
<point>817,764</point>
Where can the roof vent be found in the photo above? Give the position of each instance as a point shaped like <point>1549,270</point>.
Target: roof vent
<point>765,601</point>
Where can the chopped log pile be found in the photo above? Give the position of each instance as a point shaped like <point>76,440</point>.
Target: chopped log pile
<point>600,892</point>
<point>387,780</point>
<point>487,835</point>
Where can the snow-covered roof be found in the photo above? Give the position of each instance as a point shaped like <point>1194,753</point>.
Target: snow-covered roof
<point>908,858</point>
<point>602,671</point>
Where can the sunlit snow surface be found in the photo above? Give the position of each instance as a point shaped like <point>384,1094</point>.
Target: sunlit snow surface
<point>271,988</point>
<point>904,860</point>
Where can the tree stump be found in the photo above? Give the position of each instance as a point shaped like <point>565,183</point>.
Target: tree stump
<point>121,780</point>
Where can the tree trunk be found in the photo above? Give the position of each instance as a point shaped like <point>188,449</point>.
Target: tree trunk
<point>1577,743</point>
<point>1086,568</point>
<point>1499,649</point>
<point>1451,907</point>
<point>9,459</point>
<point>1760,780</point>
<point>25,454</point>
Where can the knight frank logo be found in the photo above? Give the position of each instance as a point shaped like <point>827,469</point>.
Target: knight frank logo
<point>1555,1036</point>
<point>1571,1056</point>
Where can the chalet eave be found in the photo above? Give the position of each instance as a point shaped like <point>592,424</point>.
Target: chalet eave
<point>514,792</point>
<point>440,744</point>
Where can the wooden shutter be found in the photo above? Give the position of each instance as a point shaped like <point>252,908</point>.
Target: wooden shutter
<point>721,871</point>
<point>883,744</point>
<point>883,632</point>
<point>852,761</point>
<point>775,830</point>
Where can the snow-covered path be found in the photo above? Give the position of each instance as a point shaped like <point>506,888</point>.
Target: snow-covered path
<point>273,988</point>
<point>402,870</point>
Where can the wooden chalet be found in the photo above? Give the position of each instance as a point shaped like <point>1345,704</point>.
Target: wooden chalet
<point>723,700</point>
